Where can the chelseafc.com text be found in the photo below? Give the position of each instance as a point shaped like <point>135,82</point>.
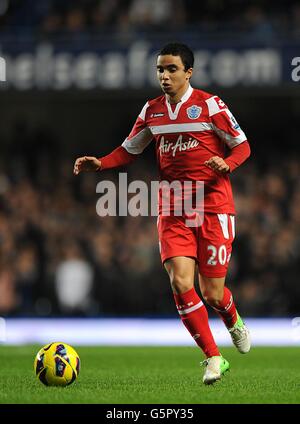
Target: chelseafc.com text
<point>296,70</point>
<point>156,413</point>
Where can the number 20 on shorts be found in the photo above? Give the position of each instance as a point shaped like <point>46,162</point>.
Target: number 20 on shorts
<point>217,255</point>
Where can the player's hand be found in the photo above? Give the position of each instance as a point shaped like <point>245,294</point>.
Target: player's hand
<point>86,163</point>
<point>217,164</point>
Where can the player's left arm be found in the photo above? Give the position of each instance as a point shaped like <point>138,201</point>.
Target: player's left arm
<point>237,156</point>
<point>228,130</point>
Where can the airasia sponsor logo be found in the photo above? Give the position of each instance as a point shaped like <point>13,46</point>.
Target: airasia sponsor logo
<point>180,145</point>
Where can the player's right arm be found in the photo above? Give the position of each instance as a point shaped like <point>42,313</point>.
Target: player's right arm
<point>86,163</point>
<point>138,139</point>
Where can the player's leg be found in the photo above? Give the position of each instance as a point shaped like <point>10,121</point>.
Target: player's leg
<point>217,234</point>
<point>220,298</point>
<point>178,249</point>
<point>191,309</point>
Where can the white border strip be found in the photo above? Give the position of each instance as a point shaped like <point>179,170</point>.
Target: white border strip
<point>139,331</point>
<point>180,128</point>
<point>191,309</point>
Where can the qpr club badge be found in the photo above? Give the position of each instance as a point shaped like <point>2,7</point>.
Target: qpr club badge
<point>194,112</point>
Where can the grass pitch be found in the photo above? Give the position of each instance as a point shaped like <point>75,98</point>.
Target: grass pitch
<point>155,375</point>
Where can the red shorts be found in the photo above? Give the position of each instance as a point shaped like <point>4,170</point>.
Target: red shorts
<point>210,244</point>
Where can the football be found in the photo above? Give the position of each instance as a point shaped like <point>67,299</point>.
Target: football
<point>57,364</point>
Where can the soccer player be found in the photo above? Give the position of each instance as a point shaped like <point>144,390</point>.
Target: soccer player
<point>197,139</point>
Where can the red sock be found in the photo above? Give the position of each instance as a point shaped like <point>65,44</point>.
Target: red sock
<point>226,309</point>
<point>194,316</point>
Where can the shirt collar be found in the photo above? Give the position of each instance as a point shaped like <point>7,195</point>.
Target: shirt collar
<point>186,95</point>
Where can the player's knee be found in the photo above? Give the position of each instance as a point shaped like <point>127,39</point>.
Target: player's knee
<point>180,284</point>
<point>213,297</point>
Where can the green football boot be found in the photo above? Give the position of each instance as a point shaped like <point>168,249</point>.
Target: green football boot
<point>215,367</point>
<point>240,336</point>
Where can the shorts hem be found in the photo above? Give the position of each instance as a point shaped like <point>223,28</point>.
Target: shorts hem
<point>213,274</point>
<point>163,260</point>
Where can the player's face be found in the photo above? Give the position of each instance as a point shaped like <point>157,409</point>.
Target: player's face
<point>171,74</point>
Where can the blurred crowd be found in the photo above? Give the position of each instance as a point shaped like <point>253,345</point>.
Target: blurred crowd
<point>52,17</point>
<point>57,256</point>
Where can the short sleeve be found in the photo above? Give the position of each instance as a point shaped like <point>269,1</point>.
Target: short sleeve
<point>224,123</point>
<point>140,135</point>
